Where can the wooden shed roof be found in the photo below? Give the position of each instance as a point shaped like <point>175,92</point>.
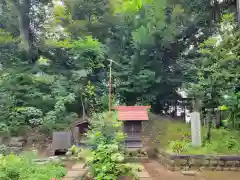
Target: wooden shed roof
<point>80,121</point>
<point>132,113</point>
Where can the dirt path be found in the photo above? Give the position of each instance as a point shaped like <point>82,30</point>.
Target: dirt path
<point>158,172</point>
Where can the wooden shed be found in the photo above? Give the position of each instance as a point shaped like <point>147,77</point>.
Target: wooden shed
<point>79,128</point>
<point>63,140</point>
<point>132,117</point>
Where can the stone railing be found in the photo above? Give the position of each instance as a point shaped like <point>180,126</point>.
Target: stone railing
<point>175,162</point>
<point>136,155</point>
<point>136,159</point>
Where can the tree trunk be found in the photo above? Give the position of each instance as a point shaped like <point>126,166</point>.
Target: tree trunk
<point>238,11</point>
<point>216,11</point>
<point>196,105</point>
<point>209,120</point>
<point>24,7</point>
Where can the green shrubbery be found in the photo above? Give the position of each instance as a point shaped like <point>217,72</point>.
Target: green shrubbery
<point>223,141</point>
<point>105,156</point>
<point>13,167</point>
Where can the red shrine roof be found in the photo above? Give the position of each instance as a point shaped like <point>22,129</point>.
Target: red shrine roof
<point>132,113</point>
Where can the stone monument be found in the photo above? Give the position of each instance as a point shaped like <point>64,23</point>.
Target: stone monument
<point>196,124</point>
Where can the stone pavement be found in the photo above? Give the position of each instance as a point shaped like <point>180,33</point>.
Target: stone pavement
<point>143,174</point>
<point>76,171</point>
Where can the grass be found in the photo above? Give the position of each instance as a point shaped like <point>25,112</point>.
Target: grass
<point>175,136</point>
<point>23,167</point>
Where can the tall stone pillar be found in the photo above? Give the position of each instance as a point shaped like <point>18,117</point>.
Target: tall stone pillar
<point>196,124</point>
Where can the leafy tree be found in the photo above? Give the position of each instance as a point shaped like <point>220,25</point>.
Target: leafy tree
<point>147,42</point>
<point>216,69</point>
<point>27,18</point>
<point>57,53</point>
<point>106,159</point>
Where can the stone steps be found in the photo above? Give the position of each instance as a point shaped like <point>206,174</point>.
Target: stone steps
<point>78,166</point>
<point>76,171</point>
<point>143,174</point>
<point>68,178</point>
<point>75,174</point>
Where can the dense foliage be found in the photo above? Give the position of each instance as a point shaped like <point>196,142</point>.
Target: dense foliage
<point>216,70</point>
<point>13,167</point>
<point>105,158</point>
<point>54,56</point>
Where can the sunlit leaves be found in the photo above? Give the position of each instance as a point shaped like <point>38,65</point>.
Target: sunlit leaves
<point>88,43</point>
<point>61,14</point>
<point>228,24</point>
<point>59,44</point>
<point>43,61</point>
<point>177,11</point>
<point>126,6</point>
<point>155,23</point>
<point>209,43</point>
<point>142,36</point>
<point>6,38</point>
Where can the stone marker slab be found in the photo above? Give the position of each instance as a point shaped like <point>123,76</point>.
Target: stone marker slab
<point>196,129</point>
<point>61,140</point>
